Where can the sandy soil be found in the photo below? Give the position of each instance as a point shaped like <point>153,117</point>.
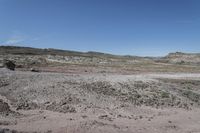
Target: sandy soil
<point>99,103</point>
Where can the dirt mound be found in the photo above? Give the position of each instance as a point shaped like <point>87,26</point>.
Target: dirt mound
<point>25,105</point>
<point>138,93</point>
<point>63,108</point>
<point>5,109</point>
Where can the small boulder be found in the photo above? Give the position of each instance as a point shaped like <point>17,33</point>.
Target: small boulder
<point>9,64</point>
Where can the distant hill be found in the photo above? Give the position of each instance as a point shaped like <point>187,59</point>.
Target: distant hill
<point>29,56</point>
<point>50,51</point>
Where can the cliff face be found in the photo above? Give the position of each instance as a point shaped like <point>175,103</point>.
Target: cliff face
<point>183,58</point>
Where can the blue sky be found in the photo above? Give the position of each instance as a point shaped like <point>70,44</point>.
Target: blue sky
<point>134,27</point>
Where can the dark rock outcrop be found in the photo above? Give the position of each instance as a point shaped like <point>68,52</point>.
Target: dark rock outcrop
<point>9,64</point>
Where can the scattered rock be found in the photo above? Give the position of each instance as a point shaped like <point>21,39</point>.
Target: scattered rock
<point>171,127</point>
<point>61,107</point>
<point>84,116</point>
<point>70,119</point>
<point>105,117</point>
<point>5,130</point>
<point>169,121</point>
<point>3,82</point>
<point>69,99</point>
<point>35,70</point>
<point>25,105</point>
<point>67,109</point>
<point>49,131</point>
<point>6,123</point>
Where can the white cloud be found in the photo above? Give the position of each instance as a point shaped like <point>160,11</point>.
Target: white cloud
<point>13,41</point>
<point>15,38</point>
<point>18,38</point>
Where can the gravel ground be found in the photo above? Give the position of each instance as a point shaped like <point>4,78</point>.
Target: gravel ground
<point>96,103</point>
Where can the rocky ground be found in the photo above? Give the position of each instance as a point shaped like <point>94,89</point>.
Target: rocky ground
<point>99,102</point>
<point>59,91</point>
